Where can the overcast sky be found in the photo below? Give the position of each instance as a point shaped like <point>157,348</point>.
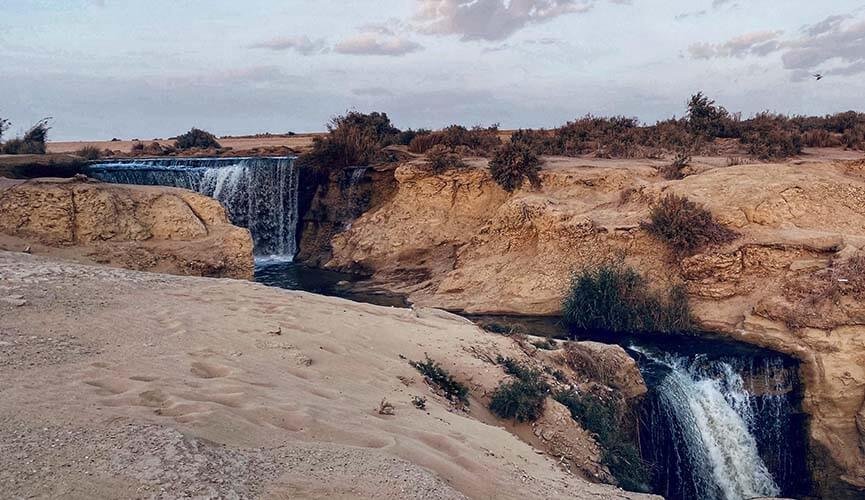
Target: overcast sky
<point>153,68</point>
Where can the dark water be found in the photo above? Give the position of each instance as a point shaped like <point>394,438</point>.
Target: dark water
<point>293,276</point>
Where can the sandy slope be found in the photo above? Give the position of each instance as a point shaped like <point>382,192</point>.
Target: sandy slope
<point>117,384</point>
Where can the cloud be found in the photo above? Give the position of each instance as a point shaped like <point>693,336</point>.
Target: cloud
<point>758,43</point>
<point>492,20</point>
<point>372,44</point>
<point>301,44</point>
<point>834,45</point>
<point>372,92</point>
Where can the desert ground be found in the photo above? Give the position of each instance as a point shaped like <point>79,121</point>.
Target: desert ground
<point>123,384</point>
<point>298,141</point>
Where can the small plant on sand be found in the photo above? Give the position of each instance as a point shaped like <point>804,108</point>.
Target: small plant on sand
<point>436,376</point>
<point>614,298</point>
<point>89,153</point>
<point>385,408</point>
<point>419,402</point>
<point>441,158</point>
<point>619,454</point>
<point>197,138</point>
<point>521,399</point>
<point>685,226</point>
<point>512,164</point>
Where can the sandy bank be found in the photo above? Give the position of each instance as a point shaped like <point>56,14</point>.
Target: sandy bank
<point>118,383</point>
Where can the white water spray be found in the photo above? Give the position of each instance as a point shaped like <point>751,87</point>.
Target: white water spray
<point>712,413</point>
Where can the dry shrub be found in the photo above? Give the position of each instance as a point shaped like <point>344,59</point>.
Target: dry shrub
<point>854,138</point>
<point>685,226</point>
<point>673,171</point>
<point>33,142</point>
<point>771,137</point>
<point>820,139</point>
<point>89,153</point>
<point>197,138</point>
<point>355,139</point>
<point>441,158</point>
<point>581,361</point>
<point>478,140</point>
<point>423,143</point>
<point>512,164</point>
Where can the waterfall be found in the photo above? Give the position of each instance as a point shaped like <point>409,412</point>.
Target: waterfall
<point>712,434</point>
<point>258,193</point>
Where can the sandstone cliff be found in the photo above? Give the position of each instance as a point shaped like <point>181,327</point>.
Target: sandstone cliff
<point>458,241</point>
<point>136,227</point>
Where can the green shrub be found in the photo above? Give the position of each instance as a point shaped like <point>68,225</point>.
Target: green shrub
<point>33,142</point>
<point>685,226</point>
<point>521,399</point>
<point>438,377</point>
<point>479,140</point>
<point>619,454</point>
<point>89,153</point>
<point>614,298</point>
<point>197,138</point>
<point>512,164</point>
<point>441,158</point>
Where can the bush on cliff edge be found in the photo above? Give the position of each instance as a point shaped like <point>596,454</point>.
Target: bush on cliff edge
<point>512,164</point>
<point>685,226</point>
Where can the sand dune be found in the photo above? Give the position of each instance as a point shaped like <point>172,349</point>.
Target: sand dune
<point>119,384</point>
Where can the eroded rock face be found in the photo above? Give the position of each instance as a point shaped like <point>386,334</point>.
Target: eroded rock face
<point>458,241</point>
<point>136,227</point>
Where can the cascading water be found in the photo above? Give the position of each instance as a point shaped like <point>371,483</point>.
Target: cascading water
<point>258,193</point>
<point>719,427</point>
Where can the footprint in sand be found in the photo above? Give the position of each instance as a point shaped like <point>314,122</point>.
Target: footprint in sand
<point>109,386</point>
<point>208,370</point>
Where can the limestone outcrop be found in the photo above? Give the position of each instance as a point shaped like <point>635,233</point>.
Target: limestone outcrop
<point>459,242</point>
<point>136,227</point>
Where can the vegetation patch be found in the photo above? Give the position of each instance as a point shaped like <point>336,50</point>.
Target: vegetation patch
<point>615,298</point>
<point>478,140</point>
<point>522,398</point>
<point>440,159</point>
<point>436,376</point>
<point>197,138</point>
<point>89,153</point>
<point>512,164</point>
<point>685,226</point>
<point>619,453</point>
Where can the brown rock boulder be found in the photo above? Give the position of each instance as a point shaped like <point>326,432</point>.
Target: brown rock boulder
<point>138,227</point>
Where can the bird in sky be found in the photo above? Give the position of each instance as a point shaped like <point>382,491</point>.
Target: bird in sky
<point>818,76</point>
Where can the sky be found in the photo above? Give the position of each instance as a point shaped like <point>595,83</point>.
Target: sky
<point>154,68</point>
